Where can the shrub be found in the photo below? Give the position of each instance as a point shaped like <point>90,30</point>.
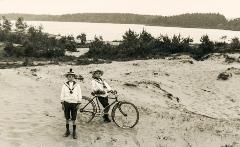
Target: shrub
<point>139,46</point>
<point>34,42</point>
<point>70,44</point>
<point>185,44</point>
<point>235,43</point>
<point>19,51</point>
<point>97,42</point>
<point>55,52</point>
<point>130,40</point>
<point>220,45</point>
<point>206,45</point>
<point>29,49</point>
<point>86,61</point>
<point>224,76</point>
<point>82,37</point>
<point>146,41</point>
<point>176,44</point>
<point>9,49</point>
<point>99,49</point>
<point>229,59</point>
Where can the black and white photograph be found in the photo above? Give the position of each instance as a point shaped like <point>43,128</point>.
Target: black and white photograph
<point>119,73</point>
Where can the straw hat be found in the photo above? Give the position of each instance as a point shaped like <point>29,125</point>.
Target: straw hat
<point>70,73</point>
<point>97,70</point>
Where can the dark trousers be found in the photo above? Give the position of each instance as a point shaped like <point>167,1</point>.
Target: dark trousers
<point>70,110</point>
<point>104,102</point>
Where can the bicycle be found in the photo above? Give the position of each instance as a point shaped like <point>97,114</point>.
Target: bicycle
<point>124,114</point>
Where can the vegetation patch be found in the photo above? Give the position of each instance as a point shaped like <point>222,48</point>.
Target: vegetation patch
<point>134,46</point>
<point>224,76</point>
<point>31,42</point>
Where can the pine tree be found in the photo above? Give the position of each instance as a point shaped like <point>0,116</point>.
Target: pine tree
<point>20,25</point>
<point>7,25</point>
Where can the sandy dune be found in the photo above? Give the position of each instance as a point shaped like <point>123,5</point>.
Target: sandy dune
<point>180,104</point>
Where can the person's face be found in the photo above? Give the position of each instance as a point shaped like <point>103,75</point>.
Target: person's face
<point>70,77</point>
<point>98,74</point>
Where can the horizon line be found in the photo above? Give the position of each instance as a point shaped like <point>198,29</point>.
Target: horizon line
<point>117,13</point>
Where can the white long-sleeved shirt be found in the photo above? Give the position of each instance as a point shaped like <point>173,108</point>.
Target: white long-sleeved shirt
<point>75,96</point>
<point>100,85</point>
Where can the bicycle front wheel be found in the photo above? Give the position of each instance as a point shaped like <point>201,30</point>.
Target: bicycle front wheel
<point>87,110</point>
<point>125,115</point>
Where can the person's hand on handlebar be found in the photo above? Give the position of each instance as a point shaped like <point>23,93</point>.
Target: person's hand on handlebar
<point>98,92</point>
<point>112,91</point>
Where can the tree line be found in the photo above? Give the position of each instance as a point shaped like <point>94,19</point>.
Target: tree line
<point>29,41</point>
<point>145,46</point>
<point>194,20</point>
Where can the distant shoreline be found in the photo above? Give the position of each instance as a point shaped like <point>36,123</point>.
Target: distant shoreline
<point>195,20</point>
<point>132,24</point>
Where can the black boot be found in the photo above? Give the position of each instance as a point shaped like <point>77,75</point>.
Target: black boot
<point>67,133</point>
<point>74,132</point>
<point>106,118</point>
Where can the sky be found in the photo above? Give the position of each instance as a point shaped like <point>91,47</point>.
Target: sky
<point>229,8</point>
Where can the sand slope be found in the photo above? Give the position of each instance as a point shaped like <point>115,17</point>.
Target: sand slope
<point>180,104</point>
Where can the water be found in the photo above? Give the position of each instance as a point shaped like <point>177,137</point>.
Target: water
<point>111,32</point>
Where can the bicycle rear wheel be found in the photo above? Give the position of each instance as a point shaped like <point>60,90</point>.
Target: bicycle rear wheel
<point>87,110</point>
<point>125,115</point>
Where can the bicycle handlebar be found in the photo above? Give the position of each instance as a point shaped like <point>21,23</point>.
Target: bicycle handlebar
<point>114,92</point>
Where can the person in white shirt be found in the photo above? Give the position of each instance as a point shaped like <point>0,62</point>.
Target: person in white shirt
<point>101,89</point>
<point>71,97</point>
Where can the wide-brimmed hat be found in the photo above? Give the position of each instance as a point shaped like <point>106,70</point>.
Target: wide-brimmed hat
<point>97,70</point>
<point>70,73</point>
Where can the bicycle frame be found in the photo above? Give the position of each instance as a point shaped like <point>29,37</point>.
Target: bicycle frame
<point>99,110</point>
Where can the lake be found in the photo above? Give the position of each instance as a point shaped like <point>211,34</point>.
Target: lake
<point>111,32</point>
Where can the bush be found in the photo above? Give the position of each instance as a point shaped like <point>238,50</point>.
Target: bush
<point>29,49</point>
<point>86,61</point>
<point>220,45</point>
<point>147,43</point>
<point>206,45</point>
<point>34,42</point>
<point>69,43</point>
<point>83,38</point>
<point>130,40</point>
<point>224,76</point>
<point>235,43</point>
<point>19,51</point>
<point>229,59</point>
<point>97,43</point>
<point>52,53</point>
<point>130,44</point>
<point>9,49</point>
<point>139,46</point>
<point>177,44</point>
<point>162,44</point>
